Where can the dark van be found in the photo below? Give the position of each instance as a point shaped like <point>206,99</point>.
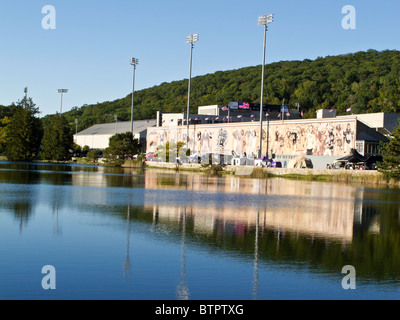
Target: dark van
<point>276,164</point>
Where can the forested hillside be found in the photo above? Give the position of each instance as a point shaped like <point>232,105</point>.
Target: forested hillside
<point>366,81</point>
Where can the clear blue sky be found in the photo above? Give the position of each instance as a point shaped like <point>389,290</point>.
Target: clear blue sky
<point>89,51</point>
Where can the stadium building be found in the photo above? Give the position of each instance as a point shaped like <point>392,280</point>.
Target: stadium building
<point>323,139</point>
<point>98,136</point>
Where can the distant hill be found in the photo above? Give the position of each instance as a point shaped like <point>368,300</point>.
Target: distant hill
<point>366,81</point>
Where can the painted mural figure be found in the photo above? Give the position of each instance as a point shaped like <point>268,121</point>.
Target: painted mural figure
<point>293,138</point>
<point>163,139</point>
<point>205,142</point>
<point>251,140</point>
<point>311,141</point>
<point>237,141</point>
<point>338,139</point>
<point>329,143</point>
<point>276,140</point>
<point>347,137</point>
<point>320,136</point>
<point>222,140</point>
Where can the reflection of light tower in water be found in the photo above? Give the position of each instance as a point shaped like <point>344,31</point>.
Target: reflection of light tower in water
<point>182,290</point>
<point>127,264</point>
<point>57,228</point>
<point>255,275</point>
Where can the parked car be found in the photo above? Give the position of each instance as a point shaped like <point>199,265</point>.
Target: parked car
<point>276,164</point>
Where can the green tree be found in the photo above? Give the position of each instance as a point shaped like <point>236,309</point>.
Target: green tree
<point>93,155</point>
<point>57,140</point>
<point>24,133</point>
<point>77,149</point>
<point>390,166</point>
<point>121,145</point>
<point>3,132</point>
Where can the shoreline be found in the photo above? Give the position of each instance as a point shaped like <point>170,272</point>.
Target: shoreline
<point>365,177</point>
<point>371,178</point>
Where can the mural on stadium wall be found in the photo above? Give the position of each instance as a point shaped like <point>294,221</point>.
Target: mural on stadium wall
<point>318,138</point>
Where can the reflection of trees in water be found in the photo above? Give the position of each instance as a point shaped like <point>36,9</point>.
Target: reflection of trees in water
<point>20,203</point>
<point>58,174</point>
<point>22,211</point>
<point>19,177</point>
<point>376,247</point>
<point>18,200</point>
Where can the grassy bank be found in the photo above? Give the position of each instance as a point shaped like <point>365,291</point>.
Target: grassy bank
<point>342,177</point>
<point>350,177</point>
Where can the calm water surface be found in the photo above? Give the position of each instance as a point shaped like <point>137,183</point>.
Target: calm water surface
<point>127,234</point>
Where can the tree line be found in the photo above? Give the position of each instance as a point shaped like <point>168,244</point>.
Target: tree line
<point>366,81</point>
<point>24,138</point>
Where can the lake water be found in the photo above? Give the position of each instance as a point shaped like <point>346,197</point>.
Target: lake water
<point>113,233</point>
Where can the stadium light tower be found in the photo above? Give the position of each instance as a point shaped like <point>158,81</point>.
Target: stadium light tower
<point>134,63</point>
<point>263,21</point>
<point>62,91</point>
<point>190,40</point>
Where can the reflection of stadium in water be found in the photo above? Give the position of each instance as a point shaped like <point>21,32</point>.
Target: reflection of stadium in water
<point>294,206</point>
<point>232,204</point>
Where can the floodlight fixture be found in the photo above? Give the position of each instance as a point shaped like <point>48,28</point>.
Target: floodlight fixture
<point>134,61</point>
<point>266,19</point>
<point>192,38</point>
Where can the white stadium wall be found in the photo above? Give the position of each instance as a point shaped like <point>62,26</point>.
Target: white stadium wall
<point>93,141</point>
<point>312,138</point>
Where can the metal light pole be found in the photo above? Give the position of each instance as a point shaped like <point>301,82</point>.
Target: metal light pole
<point>263,21</point>
<point>190,40</point>
<point>76,126</point>
<point>134,63</point>
<point>62,91</point>
<point>26,96</point>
